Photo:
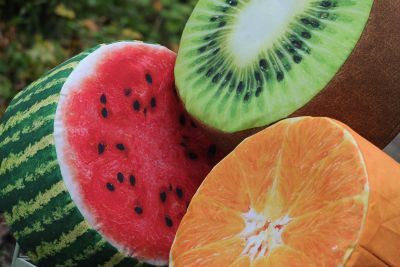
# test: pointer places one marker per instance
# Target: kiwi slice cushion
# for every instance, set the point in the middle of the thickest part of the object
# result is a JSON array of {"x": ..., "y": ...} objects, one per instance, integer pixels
[{"x": 244, "y": 64}]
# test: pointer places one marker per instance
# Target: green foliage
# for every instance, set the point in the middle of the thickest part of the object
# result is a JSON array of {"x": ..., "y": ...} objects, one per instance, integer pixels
[{"x": 36, "y": 35}]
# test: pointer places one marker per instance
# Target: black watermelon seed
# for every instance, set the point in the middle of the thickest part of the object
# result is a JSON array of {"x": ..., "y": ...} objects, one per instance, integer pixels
[
  {"x": 149, "y": 79},
  {"x": 247, "y": 97},
  {"x": 163, "y": 196},
  {"x": 182, "y": 120},
  {"x": 136, "y": 105},
  {"x": 120, "y": 147},
  {"x": 326, "y": 4},
  {"x": 138, "y": 210},
  {"x": 104, "y": 113},
  {"x": 232, "y": 2},
  {"x": 100, "y": 148},
  {"x": 110, "y": 187},
  {"x": 153, "y": 102},
  {"x": 179, "y": 192},
  {"x": 240, "y": 88},
  {"x": 297, "y": 59},
  {"x": 279, "y": 76},
  {"x": 263, "y": 64},
  {"x": 168, "y": 221},
  {"x": 222, "y": 24},
  {"x": 212, "y": 150},
  {"x": 103, "y": 99},
  {"x": 258, "y": 91},
  {"x": 193, "y": 124},
  {"x": 192, "y": 155},
  {"x": 132, "y": 180},
  {"x": 127, "y": 91},
  {"x": 306, "y": 35},
  {"x": 120, "y": 177}
]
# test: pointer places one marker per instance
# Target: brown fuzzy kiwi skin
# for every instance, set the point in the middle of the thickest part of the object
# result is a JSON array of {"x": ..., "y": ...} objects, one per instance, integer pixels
[{"x": 365, "y": 92}]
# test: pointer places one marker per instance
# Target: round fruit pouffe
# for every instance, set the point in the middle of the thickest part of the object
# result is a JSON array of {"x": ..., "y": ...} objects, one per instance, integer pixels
[
  {"x": 99, "y": 159},
  {"x": 243, "y": 65},
  {"x": 304, "y": 192}
]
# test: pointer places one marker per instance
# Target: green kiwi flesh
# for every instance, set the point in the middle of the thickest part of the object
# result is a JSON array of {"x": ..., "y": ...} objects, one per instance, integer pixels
[{"x": 248, "y": 63}]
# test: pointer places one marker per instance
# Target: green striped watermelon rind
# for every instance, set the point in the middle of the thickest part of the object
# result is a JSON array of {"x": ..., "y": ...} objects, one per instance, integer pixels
[{"x": 33, "y": 196}]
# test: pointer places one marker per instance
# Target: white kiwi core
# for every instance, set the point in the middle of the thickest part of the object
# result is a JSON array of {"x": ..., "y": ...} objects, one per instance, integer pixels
[{"x": 259, "y": 24}]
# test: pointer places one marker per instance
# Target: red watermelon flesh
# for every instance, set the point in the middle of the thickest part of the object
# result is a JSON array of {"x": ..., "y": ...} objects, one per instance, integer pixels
[{"x": 130, "y": 155}]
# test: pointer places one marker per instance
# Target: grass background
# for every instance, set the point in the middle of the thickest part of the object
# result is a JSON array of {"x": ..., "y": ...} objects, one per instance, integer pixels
[{"x": 37, "y": 35}]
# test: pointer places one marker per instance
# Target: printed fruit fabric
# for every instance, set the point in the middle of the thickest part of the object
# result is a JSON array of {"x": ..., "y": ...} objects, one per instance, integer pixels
[
  {"x": 304, "y": 192},
  {"x": 99, "y": 160}
]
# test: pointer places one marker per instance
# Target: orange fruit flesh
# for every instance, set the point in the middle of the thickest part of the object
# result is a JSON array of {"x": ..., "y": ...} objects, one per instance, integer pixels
[{"x": 295, "y": 194}]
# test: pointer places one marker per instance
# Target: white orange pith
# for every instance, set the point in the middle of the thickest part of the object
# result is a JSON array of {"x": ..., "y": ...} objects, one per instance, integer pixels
[{"x": 295, "y": 194}]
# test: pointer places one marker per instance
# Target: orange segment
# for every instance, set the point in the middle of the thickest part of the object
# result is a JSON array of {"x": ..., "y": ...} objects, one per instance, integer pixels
[
  {"x": 304, "y": 192},
  {"x": 222, "y": 253},
  {"x": 260, "y": 168},
  {"x": 221, "y": 223},
  {"x": 233, "y": 194}
]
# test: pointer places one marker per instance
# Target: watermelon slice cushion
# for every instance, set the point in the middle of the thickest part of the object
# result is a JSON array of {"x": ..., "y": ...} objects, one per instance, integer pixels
[{"x": 99, "y": 160}]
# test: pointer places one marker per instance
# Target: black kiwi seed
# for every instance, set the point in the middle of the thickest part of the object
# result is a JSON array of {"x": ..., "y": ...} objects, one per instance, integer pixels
[
  {"x": 214, "y": 18},
  {"x": 120, "y": 147},
  {"x": 179, "y": 192},
  {"x": 192, "y": 155},
  {"x": 216, "y": 78},
  {"x": 305, "y": 21},
  {"x": 212, "y": 150},
  {"x": 326, "y": 4},
  {"x": 279, "y": 76},
  {"x": 182, "y": 120},
  {"x": 120, "y": 177},
  {"x": 110, "y": 187},
  {"x": 232, "y": 2},
  {"x": 297, "y": 43},
  {"x": 315, "y": 24},
  {"x": 127, "y": 91},
  {"x": 247, "y": 96},
  {"x": 202, "y": 49},
  {"x": 104, "y": 113},
  {"x": 258, "y": 91},
  {"x": 306, "y": 35},
  {"x": 138, "y": 210},
  {"x": 149, "y": 79},
  {"x": 132, "y": 180},
  {"x": 153, "y": 102},
  {"x": 257, "y": 75},
  {"x": 103, "y": 99},
  {"x": 168, "y": 221},
  {"x": 224, "y": 9},
  {"x": 163, "y": 196},
  {"x": 136, "y": 105},
  {"x": 222, "y": 24},
  {"x": 210, "y": 72},
  {"x": 240, "y": 88},
  {"x": 216, "y": 51},
  {"x": 297, "y": 59},
  {"x": 100, "y": 148},
  {"x": 263, "y": 64}
]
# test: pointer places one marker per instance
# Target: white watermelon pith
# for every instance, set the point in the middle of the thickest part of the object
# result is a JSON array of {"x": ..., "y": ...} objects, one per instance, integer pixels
[{"x": 99, "y": 160}]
